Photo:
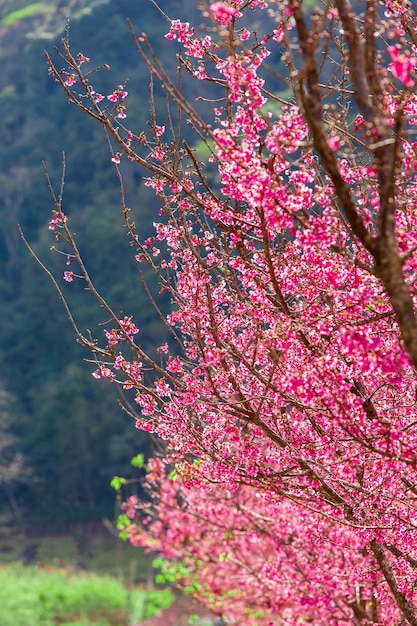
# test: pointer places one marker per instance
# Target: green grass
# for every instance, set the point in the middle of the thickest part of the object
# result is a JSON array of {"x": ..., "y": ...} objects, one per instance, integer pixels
[{"x": 32, "y": 596}]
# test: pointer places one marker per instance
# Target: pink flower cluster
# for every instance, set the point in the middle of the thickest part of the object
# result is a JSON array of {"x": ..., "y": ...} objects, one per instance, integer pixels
[
  {"x": 224, "y": 12},
  {"x": 196, "y": 47},
  {"x": 181, "y": 31},
  {"x": 119, "y": 94},
  {"x": 70, "y": 80},
  {"x": 403, "y": 66},
  {"x": 127, "y": 329},
  {"x": 130, "y": 506},
  {"x": 58, "y": 219}
]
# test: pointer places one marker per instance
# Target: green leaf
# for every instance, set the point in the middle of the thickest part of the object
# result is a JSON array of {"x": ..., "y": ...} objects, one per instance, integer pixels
[
  {"x": 160, "y": 579},
  {"x": 192, "y": 587},
  {"x": 138, "y": 460},
  {"x": 123, "y": 520},
  {"x": 116, "y": 482}
]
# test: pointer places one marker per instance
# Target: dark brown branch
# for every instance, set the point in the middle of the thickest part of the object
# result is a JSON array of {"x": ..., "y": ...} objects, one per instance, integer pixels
[
  {"x": 396, "y": 552},
  {"x": 80, "y": 338},
  {"x": 310, "y": 101},
  {"x": 356, "y": 55},
  {"x": 400, "y": 597}
]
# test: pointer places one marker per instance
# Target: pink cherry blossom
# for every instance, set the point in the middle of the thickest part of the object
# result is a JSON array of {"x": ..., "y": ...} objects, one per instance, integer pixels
[
  {"x": 130, "y": 506},
  {"x": 82, "y": 59},
  {"x": 223, "y": 12},
  {"x": 98, "y": 97},
  {"x": 58, "y": 219},
  {"x": 158, "y": 153},
  {"x": 181, "y": 31},
  {"x": 334, "y": 142},
  {"x": 119, "y": 94},
  {"x": 70, "y": 80},
  {"x": 403, "y": 66}
]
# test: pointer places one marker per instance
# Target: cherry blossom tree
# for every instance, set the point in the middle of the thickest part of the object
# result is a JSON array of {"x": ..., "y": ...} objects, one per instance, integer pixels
[{"x": 285, "y": 491}]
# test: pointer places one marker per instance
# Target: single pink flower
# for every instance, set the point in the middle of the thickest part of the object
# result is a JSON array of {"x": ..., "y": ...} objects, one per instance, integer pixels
[
  {"x": 82, "y": 59},
  {"x": 71, "y": 80},
  {"x": 334, "y": 142}
]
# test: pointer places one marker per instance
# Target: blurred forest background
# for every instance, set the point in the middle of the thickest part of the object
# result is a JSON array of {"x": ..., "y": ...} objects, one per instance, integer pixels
[{"x": 62, "y": 434}]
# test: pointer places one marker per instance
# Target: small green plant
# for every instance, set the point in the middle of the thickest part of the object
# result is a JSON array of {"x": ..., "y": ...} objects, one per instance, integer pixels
[
  {"x": 149, "y": 603},
  {"x": 169, "y": 572}
]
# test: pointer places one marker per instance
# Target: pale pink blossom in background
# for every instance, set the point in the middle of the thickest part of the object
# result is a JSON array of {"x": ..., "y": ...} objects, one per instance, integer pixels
[
  {"x": 223, "y": 12},
  {"x": 402, "y": 66}
]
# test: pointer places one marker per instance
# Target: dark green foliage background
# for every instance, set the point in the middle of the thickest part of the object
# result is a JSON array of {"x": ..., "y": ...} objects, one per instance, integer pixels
[{"x": 68, "y": 426}]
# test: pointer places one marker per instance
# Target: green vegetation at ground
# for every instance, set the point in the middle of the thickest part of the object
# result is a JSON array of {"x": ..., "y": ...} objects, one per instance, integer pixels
[{"x": 49, "y": 596}]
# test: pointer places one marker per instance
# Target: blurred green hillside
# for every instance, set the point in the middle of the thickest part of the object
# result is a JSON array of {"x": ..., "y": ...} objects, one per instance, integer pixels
[{"x": 62, "y": 434}]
